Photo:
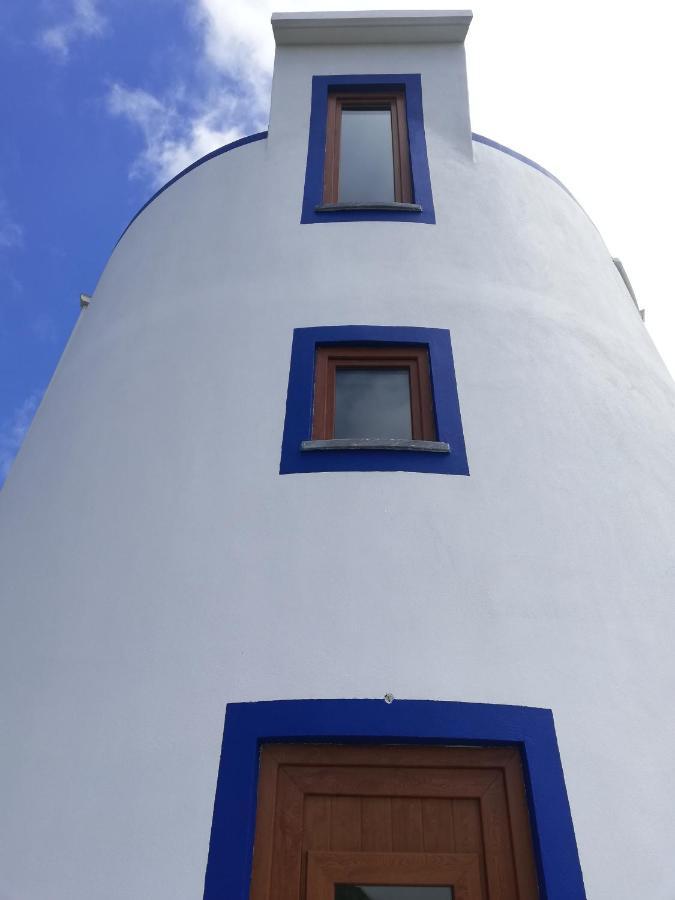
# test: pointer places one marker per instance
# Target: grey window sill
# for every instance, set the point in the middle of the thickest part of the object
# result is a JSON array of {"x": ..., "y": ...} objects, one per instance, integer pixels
[
  {"x": 376, "y": 444},
  {"x": 388, "y": 207}
]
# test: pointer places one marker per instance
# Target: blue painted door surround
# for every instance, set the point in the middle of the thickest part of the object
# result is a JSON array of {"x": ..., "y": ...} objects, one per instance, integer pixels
[{"x": 249, "y": 725}]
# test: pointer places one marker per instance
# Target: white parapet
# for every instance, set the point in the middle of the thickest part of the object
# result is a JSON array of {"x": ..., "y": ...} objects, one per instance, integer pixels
[{"x": 391, "y": 27}]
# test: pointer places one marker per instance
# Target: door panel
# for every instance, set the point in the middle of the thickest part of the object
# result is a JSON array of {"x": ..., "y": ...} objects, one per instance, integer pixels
[
  {"x": 376, "y": 823},
  {"x": 438, "y": 824},
  {"x": 393, "y": 803},
  {"x": 406, "y": 824}
]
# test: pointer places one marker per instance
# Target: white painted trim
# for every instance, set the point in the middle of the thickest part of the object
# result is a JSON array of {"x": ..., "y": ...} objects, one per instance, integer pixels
[{"x": 380, "y": 27}]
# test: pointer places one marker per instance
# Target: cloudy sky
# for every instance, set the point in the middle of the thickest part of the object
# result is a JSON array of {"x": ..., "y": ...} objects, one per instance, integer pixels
[{"x": 102, "y": 101}]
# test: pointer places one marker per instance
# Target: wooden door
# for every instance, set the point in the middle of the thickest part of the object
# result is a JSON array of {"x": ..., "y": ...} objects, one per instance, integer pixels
[{"x": 331, "y": 815}]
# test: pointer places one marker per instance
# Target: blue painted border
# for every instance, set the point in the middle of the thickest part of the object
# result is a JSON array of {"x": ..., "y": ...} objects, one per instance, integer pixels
[
  {"x": 249, "y": 139},
  {"x": 419, "y": 164},
  {"x": 248, "y": 725},
  {"x": 480, "y": 139},
  {"x": 262, "y": 135},
  {"x": 299, "y": 403}
]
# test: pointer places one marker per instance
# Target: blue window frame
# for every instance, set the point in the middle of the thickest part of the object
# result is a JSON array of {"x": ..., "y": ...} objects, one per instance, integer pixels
[
  {"x": 299, "y": 404},
  {"x": 249, "y": 725},
  {"x": 419, "y": 164}
]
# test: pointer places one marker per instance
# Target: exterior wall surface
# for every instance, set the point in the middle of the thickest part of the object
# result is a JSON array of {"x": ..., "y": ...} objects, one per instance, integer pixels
[{"x": 154, "y": 565}]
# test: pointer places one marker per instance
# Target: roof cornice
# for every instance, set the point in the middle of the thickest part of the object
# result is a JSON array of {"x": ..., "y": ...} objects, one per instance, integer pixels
[{"x": 372, "y": 27}]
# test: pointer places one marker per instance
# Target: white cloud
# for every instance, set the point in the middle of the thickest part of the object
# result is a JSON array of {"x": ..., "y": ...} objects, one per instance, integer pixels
[
  {"x": 238, "y": 37},
  {"x": 590, "y": 120},
  {"x": 236, "y": 66},
  {"x": 13, "y": 431},
  {"x": 238, "y": 40},
  {"x": 586, "y": 116},
  {"x": 84, "y": 21},
  {"x": 236, "y": 56},
  {"x": 176, "y": 130}
]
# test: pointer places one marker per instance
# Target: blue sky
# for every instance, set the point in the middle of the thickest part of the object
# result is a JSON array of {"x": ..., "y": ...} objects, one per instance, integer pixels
[{"x": 102, "y": 101}]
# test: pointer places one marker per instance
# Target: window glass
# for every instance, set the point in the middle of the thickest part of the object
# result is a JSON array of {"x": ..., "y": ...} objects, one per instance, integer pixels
[
  {"x": 372, "y": 403},
  {"x": 366, "y": 157},
  {"x": 390, "y": 892}
]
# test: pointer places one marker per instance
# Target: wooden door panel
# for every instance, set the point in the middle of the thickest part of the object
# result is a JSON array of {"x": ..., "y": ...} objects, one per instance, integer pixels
[
  {"x": 468, "y": 832},
  {"x": 406, "y": 824},
  {"x": 396, "y": 802},
  {"x": 438, "y": 824},
  {"x": 345, "y": 823},
  {"x": 317, "y": 818},
  {"x": 376, "y": 819},
  {"x": 467, "y": 825}
]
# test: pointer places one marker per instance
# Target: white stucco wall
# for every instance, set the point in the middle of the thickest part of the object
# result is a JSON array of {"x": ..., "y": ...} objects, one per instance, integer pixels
[{"x": 154, "y": 565}]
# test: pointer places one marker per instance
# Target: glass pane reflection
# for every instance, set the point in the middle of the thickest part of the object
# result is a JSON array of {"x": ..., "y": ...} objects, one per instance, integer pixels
[
  {"x": 390, "y": 892},
  {"x": 366, "y": 157},
  {"x": 372, "y": 403}
]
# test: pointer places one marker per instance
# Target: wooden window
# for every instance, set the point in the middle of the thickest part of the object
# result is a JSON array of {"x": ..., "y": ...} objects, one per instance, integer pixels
[
  {"x": 367, "y": 155},
  {"x": 333, "y": 820},
  {"x": 373, "y": 393}
]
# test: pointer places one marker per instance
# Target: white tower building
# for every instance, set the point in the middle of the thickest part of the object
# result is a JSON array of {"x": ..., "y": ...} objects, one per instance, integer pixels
[{"x": 361, "y": 407}]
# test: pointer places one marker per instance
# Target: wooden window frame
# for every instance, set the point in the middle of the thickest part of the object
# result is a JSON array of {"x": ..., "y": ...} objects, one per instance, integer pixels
[
  {"x": 393, "y": 100},
  {"x": 413, "y": 358}
]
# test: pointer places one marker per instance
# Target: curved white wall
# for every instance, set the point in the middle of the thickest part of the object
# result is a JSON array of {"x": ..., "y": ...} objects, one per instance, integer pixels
[{"x": 155, "y": 566}]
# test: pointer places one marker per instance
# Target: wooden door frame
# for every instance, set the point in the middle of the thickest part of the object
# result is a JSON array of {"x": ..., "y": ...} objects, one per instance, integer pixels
[
  {"x": 249, "y": 725},
  {"x": 491, "y": 775}
]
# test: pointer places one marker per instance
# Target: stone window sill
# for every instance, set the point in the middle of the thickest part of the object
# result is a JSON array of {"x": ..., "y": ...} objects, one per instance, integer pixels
[
  {"x": 388, "y": 207},
  {"x": 376, "y": 444}
]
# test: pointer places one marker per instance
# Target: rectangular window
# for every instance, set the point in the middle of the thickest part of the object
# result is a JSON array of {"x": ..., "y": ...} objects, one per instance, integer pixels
[
  {"x": 373, "y": 393},
  {"x": 366, "y": 151},
  {"x": 367, "y": 157},
  {"x": 385, "y": 892},
  {"x": 372, "y": 398}
]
